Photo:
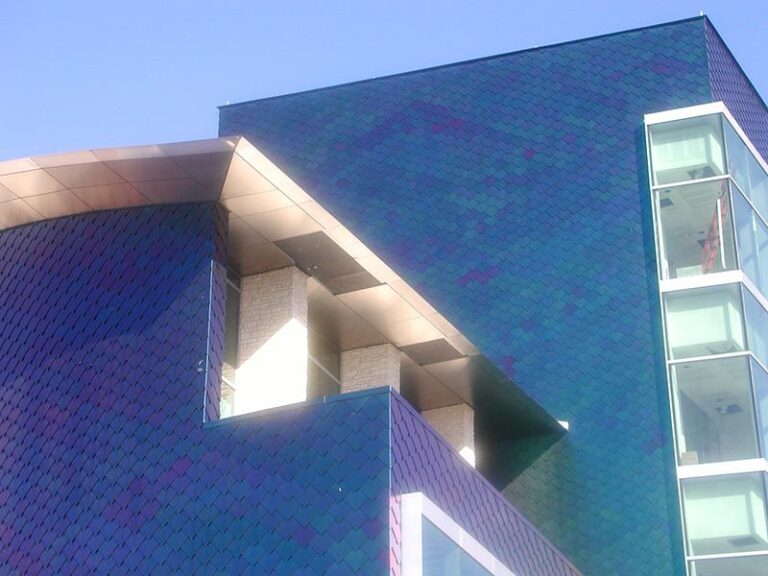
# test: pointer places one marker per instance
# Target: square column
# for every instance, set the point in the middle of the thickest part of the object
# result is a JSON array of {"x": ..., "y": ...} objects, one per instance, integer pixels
[
  {"x": 456, "y": 424},
  {"x": 273, "y": 341},
  {"x": 370, "y": 367}
]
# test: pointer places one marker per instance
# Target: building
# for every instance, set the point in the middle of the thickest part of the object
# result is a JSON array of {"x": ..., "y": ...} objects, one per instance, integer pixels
[{"x": 554, "y": 256}]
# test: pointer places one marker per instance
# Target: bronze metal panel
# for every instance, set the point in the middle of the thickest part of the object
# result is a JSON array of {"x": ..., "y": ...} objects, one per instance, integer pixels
[
  {"x": 57, "y": 204},
  {"x": 16, "y": 213},
  {"x": 283, "y": 223},
  {"x": 6, "y": 195},
  {"x": 143, "y": 169},
  {"x": 320, "y": 257},
  {"x": 31, "y": 183},
  {"x": 336, "y": 323},
  {"x": 380, "y": 305},
  {"x": 258, "y": 259},
  {"x": 422, "y": 389},
  {"x": 208, "y": 169},
  {"x": 18, "y": 165},
  {"x": 410, "y": 331},
  {"x": 111, "y": 196},
  {"x": 241, "y": 235},
  {"x": 84, "y": 175},
  {"x": 243, "y": 179},
  {"x": 431, "y": 352},
  {"x": 257, "y": 203},
  {"x": 173, "y": 191}
]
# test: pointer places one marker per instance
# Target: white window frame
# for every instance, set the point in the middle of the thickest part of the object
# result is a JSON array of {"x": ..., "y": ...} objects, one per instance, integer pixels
[{"x": 416, "y": 507}]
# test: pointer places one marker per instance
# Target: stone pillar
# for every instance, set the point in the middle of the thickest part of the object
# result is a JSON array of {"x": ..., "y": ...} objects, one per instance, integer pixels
[
  {"x": 370, "y": 367},
  {"x": 457, "y": 425},
  {"x": 273, "y": 341}
]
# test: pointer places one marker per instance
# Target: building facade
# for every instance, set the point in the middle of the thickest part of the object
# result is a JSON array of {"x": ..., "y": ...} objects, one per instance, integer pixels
[
  {"x": 505, "y": 316},
  {"x": 517, "y": 192},
  {"x": 193, "y": 383}
]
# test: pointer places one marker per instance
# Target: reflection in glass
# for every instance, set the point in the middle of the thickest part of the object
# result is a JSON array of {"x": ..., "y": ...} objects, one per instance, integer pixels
[
  {"x": 746, "y": 238},
  {"x": 758, "y": 186},
  {"x": 704, "y": 321},
  {"x": 441, "y": 556},
  {"x": 725, "y": 514},
  {"x": 231, "y": 345},
  {"x": 323, "y": 367},
  {"x": 760, "y": 379},
  {"x": 687, "y": 149},
  {"x": 227, "y": 400},
  {"x": 714, "y": 412},
  {"x": 757, "y": 327},
  {"x": 231, "y": 329},
  {"x": 696, "y": 229},
  {"x": 746, "y": 566},
  {"x": 738, "y": 166}
]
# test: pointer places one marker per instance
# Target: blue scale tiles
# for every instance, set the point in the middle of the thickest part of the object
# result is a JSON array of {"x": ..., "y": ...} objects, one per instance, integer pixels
[{"x": 512, "y": 192}]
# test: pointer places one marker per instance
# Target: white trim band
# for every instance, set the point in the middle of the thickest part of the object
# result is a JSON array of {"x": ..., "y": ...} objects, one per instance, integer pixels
[{"x": 414, "y": 508}]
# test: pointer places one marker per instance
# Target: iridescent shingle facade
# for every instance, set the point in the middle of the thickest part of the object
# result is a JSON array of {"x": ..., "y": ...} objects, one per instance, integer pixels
[
  {"x": 514, "y": 192},
  {"x": 426, "y": 324}
]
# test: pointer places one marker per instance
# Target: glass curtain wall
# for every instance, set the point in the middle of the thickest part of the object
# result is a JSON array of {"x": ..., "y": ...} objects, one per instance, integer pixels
[{"x": 710, "y": 200}]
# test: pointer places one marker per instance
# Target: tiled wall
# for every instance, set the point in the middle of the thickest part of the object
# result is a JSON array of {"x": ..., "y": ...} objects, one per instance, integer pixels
[
  {"x": 105, "y": 465},
  {"x": 423, "y": 462},
  {"x": 512, "y": 192},
  {"x": 730, "y": 85}
]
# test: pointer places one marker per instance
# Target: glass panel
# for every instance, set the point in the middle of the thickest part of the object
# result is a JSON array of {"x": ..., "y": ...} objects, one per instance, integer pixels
[
  {"x": 687, "y": 149},
  {"x": 746, "y": 237},
  {"x": 737, "y": 155},
  {"x": 758, "y": 186},
  {"x": 704, "y": 321},
  {"x": 227, "y": 404},
  {"x": 696, "y": 229},
  {"x": 757, "y": 327},
  {"x": 441, "y": 556},
  {"x": 319, "y": 382},
  {"x": 752, "y": 238},
  {"x": 725, "y": 514},
  {"x": 324, "y": 353},
  {"x": 749, "y": 566},
  {"x": 760, "y": 379},
  {"x": 231, "y": 334},
  {"x": 714, "y": 413}
]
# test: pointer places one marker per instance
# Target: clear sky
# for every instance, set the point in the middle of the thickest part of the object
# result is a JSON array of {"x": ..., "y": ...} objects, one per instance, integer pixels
[{"x": 93, "y": 73}]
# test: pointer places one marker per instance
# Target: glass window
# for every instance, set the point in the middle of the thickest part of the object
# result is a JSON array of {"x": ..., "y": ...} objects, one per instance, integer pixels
[
  {"x": 323, "y": 368},
  {"x": 725, "y": 514},
  {"x": 441, "y": 556},
  {"x": 746, "y": 566},
  {"x": 738, "y": 154},
  {"x": 704, "y": 321},
  {"x": 760, "y": 378},
  {"x": 227, "y": 401},
  {"x": 757, "y": 327},
  {"x": 714, "y": 414},
  {"x": 746, "y": 237},
  {"x": 696, "y": 229},
  {"x": 231, "y": 345},
  {"x": 758, "y": 186},
  {"x": 687, "y": 150}
]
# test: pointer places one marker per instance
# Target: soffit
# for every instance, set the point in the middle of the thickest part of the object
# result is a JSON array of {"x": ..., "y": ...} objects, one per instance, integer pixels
[{"x": 355, "y": 298}]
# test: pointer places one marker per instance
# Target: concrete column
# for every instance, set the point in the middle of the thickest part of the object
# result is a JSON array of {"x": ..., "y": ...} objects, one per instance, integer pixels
[
  {"x": 370, "y": 367},
  {"x": 273, "y": 341},
  {"x": 457, "y": 425}
]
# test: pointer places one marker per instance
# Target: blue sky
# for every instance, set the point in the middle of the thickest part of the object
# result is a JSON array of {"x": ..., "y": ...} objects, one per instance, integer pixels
[{"x": 85, "y": 73}]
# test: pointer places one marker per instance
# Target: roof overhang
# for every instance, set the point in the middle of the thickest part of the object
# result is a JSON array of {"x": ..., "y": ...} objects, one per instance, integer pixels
[{"x": 355, "y": 299}]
